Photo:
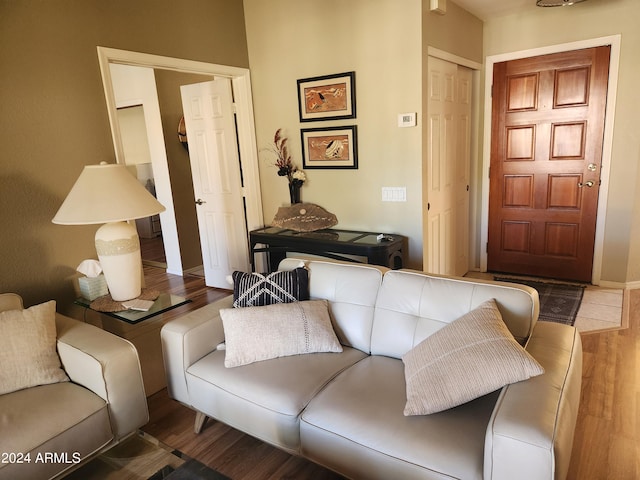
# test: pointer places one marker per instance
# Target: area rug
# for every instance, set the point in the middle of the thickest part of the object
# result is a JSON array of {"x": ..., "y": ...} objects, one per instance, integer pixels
[
  {"x": 559, "y": 302},
  {"x": 142, "y": 457}
]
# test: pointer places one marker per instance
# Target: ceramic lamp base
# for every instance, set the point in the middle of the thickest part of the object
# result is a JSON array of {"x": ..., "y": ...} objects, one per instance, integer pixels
[{"x": 118, "y": 248}]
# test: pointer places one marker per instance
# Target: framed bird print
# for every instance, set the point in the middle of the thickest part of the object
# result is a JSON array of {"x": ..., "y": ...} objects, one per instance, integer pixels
[
  {"x": 330, "y": 97},
  {"x": 331, "y": 147}
]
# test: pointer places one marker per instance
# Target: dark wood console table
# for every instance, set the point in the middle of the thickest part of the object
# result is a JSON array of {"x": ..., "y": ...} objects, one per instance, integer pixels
[{"x": 331, "y": 243}]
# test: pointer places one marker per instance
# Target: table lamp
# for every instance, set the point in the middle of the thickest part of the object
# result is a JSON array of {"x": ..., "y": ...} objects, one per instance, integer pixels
[{"x": 109, "y": 194}]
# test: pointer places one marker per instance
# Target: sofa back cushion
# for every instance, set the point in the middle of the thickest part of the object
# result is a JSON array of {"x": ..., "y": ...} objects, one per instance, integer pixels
[
  {"x": 413, "y": 305},
  {"x": 28, "y": 355},
  {"x": 351, "y": 289},
  {"x": 10, "y": 301}
]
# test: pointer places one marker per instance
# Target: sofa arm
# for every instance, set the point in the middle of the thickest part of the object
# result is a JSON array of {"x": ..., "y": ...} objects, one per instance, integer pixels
[
  {"x": 186, "y": 340},
  {"x": 108, "y": 366},
  {"x": 530, "y": 434}
]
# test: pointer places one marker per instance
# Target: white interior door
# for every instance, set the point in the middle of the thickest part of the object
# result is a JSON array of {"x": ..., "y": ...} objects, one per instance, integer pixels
[
  {"x": 217, "y": 182},
  {"x": 448, "y": 168}
]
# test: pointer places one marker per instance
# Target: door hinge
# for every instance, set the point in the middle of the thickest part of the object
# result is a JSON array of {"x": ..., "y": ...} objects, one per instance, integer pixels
[
  {"x": 428, "y": 206},
  {"x": 487, "y": 247},
  {"x": 234, "y": 107}
]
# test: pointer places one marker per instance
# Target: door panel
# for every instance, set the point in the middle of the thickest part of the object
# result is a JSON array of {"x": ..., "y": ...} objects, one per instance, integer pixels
[
  {"x": 217, "y": 184},
  {"x": 547, "y": 133},
  {"x": 448, "y": 168}
]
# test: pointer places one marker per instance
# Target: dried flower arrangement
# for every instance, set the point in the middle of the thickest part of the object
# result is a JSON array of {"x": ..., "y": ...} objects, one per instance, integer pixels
[{"x": 286, "y": 168}]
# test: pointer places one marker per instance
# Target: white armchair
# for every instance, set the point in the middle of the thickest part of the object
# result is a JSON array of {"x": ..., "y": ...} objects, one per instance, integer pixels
[{"x": 70, "y": 422}]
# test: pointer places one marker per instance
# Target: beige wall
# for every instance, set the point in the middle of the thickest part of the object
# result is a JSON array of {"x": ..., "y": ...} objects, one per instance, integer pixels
[
  {"x": 540, "y": 27},
  {"x": 381, "y": 41},
  {"x": 456, "y": 32},
  {"x": 54, "y": 119}
]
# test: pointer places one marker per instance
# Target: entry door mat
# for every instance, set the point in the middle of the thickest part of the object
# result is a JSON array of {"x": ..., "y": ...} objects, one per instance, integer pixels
[{"x": 559, "y": 302}]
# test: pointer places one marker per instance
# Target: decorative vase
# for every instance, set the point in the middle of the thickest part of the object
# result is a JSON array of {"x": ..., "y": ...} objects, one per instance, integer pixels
[{"x": 294, "y": 193}]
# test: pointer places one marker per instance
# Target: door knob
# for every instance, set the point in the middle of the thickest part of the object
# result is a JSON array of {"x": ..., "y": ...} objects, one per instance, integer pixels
[
  {"x": 200, "y": 201},
  {"x": 586, "y": 184}
]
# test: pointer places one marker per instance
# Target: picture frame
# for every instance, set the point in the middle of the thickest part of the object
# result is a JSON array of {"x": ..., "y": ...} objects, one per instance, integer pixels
[
  {"x": 328, "y": 97},
  {"x": 330, "y": 147}
]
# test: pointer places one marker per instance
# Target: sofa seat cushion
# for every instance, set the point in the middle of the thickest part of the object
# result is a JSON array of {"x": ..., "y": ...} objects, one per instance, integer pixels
[
  {"x": 356, "y": 426},
  {"x": 264, "y": 398},
  {"x": 39, "y": 420}
]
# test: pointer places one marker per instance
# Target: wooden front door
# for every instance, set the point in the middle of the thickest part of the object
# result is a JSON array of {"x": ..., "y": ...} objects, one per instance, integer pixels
[{"x": 546, "y": 151}]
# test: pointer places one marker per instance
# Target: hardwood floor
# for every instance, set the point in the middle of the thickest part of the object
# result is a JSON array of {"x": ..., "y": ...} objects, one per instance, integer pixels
[
  {"x": 153, "y": 250},
  {"x": 189, "y": 286},
  {"x": 607, "y": 439}
]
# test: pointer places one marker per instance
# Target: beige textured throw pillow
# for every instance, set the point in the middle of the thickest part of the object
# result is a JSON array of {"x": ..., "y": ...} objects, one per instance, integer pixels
[
  {"x": 28, "y": 355},
  {"x": 253, "y": 334},
  {"x": 472, "y": 356}
]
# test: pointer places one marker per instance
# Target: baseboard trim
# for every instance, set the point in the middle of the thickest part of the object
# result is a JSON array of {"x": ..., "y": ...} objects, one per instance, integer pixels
[
  {"x": 619, "y": 285},
  {"x": 198, "y": 269}
]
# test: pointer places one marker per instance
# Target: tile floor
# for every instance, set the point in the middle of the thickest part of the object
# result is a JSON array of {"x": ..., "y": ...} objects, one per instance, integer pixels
[{"x": 601, "y": 308}]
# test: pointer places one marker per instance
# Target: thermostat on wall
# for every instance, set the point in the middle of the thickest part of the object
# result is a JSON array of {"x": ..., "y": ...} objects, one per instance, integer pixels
[{"x": 407, "y": 119}]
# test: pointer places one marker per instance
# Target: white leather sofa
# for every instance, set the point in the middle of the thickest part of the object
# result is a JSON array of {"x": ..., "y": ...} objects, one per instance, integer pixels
[
  {"x": 51, "y": 429},
  {"x": 345, "y": 410}
]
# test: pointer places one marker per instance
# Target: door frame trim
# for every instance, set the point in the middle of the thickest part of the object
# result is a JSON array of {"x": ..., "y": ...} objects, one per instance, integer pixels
[
  {"x": 241, "y": 83},
  {"x": 614, "y": 62}
]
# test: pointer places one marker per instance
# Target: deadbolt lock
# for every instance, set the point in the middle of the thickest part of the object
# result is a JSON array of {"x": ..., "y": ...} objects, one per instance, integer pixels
[{"x": 592, "y": 167}]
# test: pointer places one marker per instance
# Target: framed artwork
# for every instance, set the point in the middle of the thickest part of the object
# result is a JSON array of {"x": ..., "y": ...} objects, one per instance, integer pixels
[
  {"x": 329, "y": 97},
  {"x": 331, "y": 147}
]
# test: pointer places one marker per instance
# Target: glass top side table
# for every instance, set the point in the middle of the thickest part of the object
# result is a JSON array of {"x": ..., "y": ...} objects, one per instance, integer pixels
[{"x": 163, "y": 303}]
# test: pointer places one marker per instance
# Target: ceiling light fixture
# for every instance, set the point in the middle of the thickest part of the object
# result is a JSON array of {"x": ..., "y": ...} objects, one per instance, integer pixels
[{"x": 556, "y": 3}]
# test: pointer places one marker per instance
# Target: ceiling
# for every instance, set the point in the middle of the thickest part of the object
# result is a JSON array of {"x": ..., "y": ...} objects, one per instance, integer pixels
[{"x": 485, "y": 9}]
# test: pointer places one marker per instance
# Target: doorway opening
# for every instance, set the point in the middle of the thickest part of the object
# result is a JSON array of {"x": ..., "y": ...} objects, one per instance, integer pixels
[
  {"x": 239, "y": 78},
  {"x": 135, "y": 143}
]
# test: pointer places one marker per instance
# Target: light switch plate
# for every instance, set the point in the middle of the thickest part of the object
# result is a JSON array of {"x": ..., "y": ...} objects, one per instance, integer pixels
[{"x": 394, "y": 194}]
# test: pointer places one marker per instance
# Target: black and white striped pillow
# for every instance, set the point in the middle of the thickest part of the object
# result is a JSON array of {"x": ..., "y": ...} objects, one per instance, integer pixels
[{"x": 259, "y": 289}]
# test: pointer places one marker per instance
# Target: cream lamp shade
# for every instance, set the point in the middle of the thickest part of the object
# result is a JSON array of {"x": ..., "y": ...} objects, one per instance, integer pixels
[{"x": 109, "y": 194}]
